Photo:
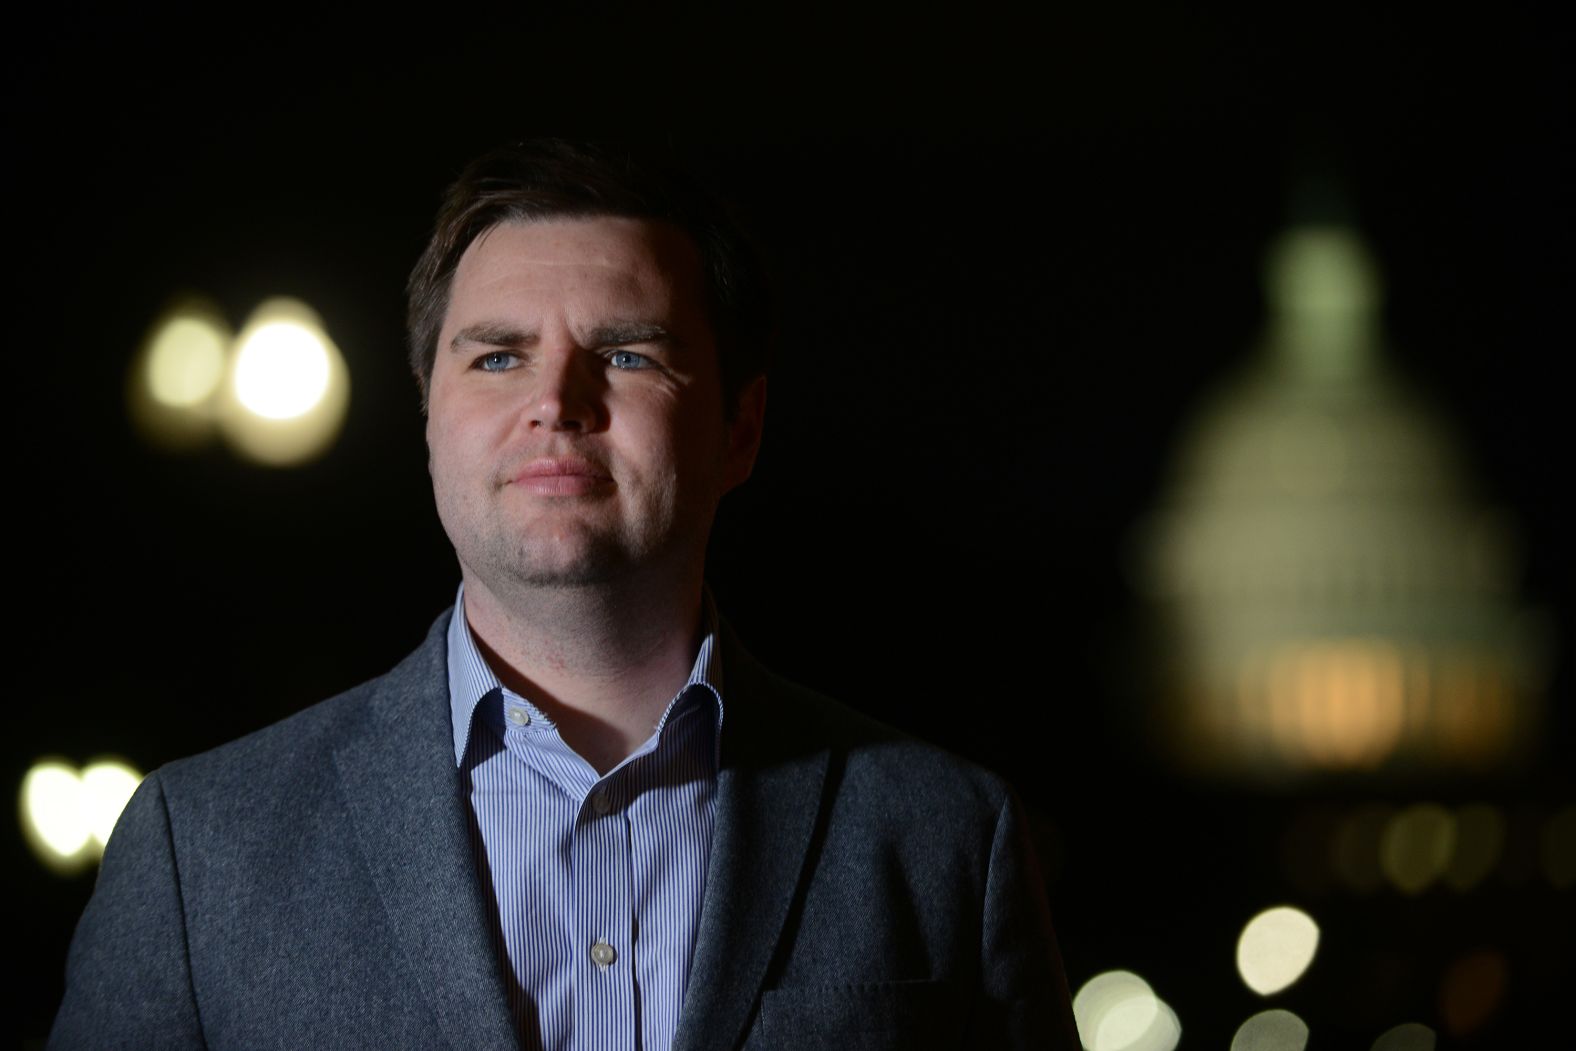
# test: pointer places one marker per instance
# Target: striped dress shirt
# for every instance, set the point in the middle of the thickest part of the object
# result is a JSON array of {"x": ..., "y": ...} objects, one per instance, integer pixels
[{"x": 598, "y": 880}]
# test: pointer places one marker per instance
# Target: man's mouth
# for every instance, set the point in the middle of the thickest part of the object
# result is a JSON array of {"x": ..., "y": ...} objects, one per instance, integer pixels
[{"x": 561, "y": 476}]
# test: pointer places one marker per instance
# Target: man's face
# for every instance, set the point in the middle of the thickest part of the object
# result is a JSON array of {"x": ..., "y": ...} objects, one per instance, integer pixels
[{"x": 575, "y": 428}]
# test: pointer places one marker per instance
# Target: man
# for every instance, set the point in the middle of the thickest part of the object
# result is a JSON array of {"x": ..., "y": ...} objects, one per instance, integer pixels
[{"x": 580, "y": 815}]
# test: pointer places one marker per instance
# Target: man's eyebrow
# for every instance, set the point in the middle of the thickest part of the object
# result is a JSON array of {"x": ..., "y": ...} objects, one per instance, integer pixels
[
  {"x": 493, "y": 334},
  {"x": 616, "y": 332},
  {"x": 613, "y": 333}
]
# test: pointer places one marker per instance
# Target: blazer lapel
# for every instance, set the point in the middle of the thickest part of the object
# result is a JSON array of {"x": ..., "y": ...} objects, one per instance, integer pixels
[
  {"x": 411, "y": 826},
  {"x": 769, "y": 794}
]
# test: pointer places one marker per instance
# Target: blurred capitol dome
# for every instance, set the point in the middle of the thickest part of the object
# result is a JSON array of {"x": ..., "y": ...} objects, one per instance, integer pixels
[{"x": 1331, "y": 596}]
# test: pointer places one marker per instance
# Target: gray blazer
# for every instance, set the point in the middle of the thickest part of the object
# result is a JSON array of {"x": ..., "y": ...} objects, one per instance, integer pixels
[{"x": 312, "y": 885}]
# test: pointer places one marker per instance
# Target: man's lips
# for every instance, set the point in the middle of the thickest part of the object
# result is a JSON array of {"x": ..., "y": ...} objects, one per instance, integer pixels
[{"x": 561, "y": 476}]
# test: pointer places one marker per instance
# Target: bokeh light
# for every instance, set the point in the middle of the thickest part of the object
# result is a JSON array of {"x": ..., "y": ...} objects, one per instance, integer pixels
[
  {"x": 1472, "y": 991},
  {"x": 52, "y": 813},
  {"x": 1117, "y": 1011},
  {"x": 1559, "y": 849},
  {"x": 186, "y": 361},
  {"x": 1275, "y": 948},
  {"x": 1411, "y": 1036},
  {"x": 289, "y": 387},
  {"x": 107, "y": 786},
  {"x": 1306, "y": 843},
  {"x": 1480, "y": 840},
  {"x": 281, "y": 369},
  {"x": 68, "y": 815},
  {"x": 1355, "y": 848},
  {"x": 1416, "y": 846},
  {"x": 180, "y": 369},
  {"x": 1273, "y": 1030}
]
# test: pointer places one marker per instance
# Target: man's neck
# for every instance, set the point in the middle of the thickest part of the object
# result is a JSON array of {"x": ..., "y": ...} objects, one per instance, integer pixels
[{"x": 601, "y": 664}]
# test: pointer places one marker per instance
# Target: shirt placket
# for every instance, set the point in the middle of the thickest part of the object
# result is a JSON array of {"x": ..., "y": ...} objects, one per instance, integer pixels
[{"x": 601, "y": 878}]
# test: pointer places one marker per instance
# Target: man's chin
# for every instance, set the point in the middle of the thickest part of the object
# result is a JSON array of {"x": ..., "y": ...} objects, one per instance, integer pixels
[
  {"x": 565, "y": 561},
  {"x": 567, "y": 578},
  {"x": 591, "y": 566}
]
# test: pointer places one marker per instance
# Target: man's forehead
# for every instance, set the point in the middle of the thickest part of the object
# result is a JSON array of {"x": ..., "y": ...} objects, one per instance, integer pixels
[
  {"x": 592, "y": 243},
  {"x": 597, "y": 271}
]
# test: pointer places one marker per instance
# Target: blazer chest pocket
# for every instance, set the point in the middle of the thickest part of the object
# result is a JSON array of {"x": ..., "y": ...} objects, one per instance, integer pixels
[{"x": 868, "y": 1016}]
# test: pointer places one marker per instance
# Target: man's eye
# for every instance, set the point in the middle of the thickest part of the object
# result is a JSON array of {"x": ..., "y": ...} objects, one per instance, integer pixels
[
  {"x": 628, "y": 359},
  {"x": 496, "y": 361}
]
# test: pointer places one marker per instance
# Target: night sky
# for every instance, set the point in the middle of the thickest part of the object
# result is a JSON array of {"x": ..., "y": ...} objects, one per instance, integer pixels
[{"x": 1010, "y": 255}]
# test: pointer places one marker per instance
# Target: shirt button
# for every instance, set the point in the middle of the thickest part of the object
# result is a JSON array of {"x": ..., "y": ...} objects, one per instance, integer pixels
[
  {"x": 519, "y": 717},
  {"x": 601, "y": 803},
  {"x": 602, "y": 954}
]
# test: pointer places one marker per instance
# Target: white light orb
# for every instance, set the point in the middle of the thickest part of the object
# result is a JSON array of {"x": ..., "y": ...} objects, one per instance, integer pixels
[
  {"x": 281, "y": 369},
  {"x": 1273, "y": 1030},
  {"x": 67, "y": 814},
  {"x": 52, "y": 811},
  {"x": 289, "y": 387},
  {"x": 1117, "y": 1011},
  {"x": 107, "y": 787},
  {"x": 1275, "y": 948}
]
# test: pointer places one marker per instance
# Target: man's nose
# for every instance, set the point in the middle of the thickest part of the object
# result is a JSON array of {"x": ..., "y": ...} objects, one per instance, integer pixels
[{"x": 568, "y": 396}]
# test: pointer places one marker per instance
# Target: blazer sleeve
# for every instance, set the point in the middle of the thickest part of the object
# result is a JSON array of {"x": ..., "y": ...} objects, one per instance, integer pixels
[
  {"x": 1025, "y": 1002},
  {"x": 128, "y": 973}
]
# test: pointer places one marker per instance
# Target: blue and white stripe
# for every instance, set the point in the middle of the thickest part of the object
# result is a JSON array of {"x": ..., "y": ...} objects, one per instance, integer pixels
[{"x": 574, "y": 859}]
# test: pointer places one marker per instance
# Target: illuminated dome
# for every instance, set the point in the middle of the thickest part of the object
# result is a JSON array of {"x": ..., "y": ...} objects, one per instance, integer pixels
[{"x": 1333, "y": 597}]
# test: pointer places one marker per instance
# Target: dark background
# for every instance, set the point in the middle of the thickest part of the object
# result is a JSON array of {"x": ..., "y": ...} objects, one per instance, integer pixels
[{"x": 1011, "y": 256}]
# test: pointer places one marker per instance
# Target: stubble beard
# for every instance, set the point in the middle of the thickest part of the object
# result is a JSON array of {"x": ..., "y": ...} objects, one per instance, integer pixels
[
  {"x": 524, "y": 558},
  {"x": 573, "y": 555},
  {"x": 600, "y": 561}
]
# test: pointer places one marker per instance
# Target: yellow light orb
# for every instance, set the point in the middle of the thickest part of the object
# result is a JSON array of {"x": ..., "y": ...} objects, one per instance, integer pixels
[
  {"x": 1276, "y": 948},
  {"x": 1479, "y": 842},
  {"x": 174, "y": 385},
  {"x": 1417, "y": 845},
  {"x": 185, "y": 362},
  {"x": 1355, "y": 848}
]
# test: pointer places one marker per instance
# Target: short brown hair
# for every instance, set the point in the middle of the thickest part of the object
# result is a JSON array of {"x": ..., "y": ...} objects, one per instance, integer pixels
[{"x": 552, "y": 178}]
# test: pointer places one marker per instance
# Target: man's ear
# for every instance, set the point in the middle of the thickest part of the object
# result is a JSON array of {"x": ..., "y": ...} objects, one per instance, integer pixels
[{"x": 744, "y": 434}]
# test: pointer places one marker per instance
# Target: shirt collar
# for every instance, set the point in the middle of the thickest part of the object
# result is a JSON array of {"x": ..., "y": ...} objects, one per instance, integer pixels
[{"x": 471, "y": 678}]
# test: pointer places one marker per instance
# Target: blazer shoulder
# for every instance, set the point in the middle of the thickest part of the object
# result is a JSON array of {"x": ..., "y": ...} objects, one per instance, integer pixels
[{"x": 882, "y": 760}]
